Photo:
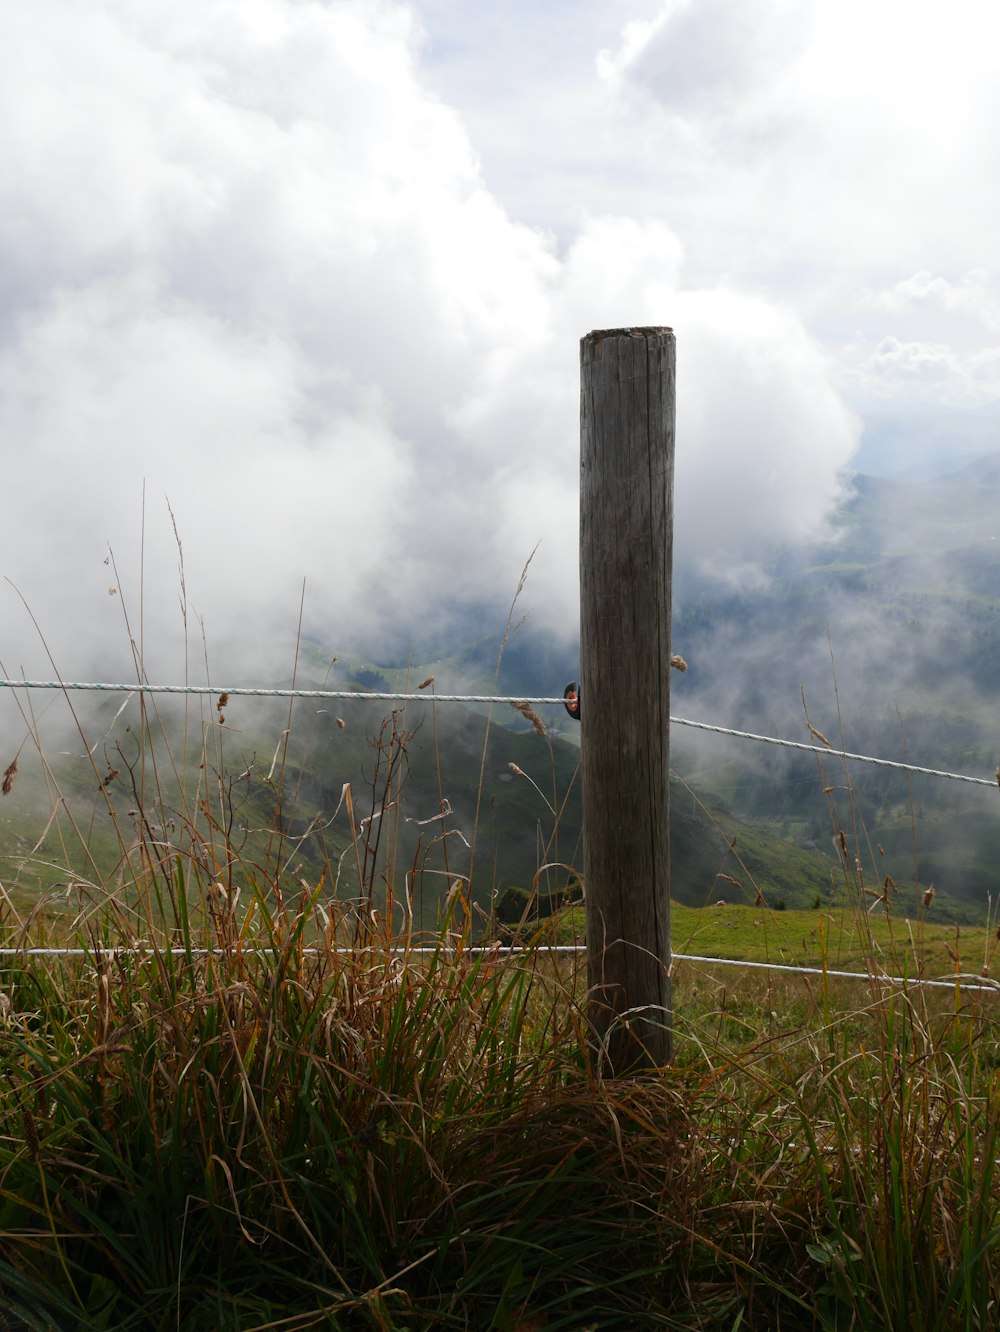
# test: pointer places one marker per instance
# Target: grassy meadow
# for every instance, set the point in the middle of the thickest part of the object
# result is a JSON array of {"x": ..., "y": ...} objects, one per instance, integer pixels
[{"x": 263, "y": 1094}]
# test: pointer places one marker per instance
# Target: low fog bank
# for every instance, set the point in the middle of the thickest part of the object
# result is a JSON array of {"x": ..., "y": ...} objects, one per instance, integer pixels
[
  {"x": 881, "y": 639},
  {"x": 894, "y": 620}
]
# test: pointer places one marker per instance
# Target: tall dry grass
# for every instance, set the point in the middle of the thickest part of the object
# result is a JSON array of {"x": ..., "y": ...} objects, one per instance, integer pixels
[{"x": 252, "y": 1102}]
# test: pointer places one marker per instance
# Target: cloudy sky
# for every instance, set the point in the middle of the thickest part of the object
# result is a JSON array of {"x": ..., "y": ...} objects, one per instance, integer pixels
[{"x": 315, "y": 274}]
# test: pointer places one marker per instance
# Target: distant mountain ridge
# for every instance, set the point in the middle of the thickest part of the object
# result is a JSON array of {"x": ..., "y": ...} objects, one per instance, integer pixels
[{"x": 912, "y": 444}]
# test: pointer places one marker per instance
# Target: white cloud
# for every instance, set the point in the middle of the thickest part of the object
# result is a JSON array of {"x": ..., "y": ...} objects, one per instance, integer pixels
[
  {"x": 767, "y": 435},
  {"x": 252, "y": 263},
  {"x": 274, "y": 467},
  {"x": 920, "y": 373},
  {"x": 704, "y": 58},
  {"x": 975, "y": 295},
  {"x": 811, "y": 150},
  {"x": 762, "y": 434}
]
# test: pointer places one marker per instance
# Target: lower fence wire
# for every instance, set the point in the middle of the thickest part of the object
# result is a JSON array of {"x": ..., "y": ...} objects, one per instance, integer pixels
[{"x": 964, "y": 981}]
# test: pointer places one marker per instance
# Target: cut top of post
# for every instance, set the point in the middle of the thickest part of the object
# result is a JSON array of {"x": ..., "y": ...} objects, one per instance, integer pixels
[{"x": 597, "y": 334}]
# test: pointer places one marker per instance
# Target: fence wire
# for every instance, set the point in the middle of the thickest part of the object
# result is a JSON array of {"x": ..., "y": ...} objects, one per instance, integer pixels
[
  {"x": 533, "y": 700},
  {"x": 962, "y": 981}
]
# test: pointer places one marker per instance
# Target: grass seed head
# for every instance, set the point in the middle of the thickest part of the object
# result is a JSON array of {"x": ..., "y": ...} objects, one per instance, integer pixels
[
  {"x": 8, "y": 777},
  {"x": 528, "y": 712},
  {"x": 818, "y": 735},
  {"x": 31, "y": 1135}
]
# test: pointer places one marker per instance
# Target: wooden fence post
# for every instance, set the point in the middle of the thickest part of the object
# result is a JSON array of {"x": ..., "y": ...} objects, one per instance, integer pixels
[{"x": 626, "y": 529}]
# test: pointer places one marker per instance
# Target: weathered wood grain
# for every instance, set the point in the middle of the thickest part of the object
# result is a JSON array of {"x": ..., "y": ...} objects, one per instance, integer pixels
[{"x": 627, "y": 382}]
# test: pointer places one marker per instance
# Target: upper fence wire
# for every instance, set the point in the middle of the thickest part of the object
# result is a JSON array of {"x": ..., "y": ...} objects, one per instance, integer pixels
[{"x": 533, "y": 700}]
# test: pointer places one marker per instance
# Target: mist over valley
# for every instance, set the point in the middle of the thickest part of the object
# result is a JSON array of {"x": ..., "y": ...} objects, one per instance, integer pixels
[{"x": 883, "y": 639}]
